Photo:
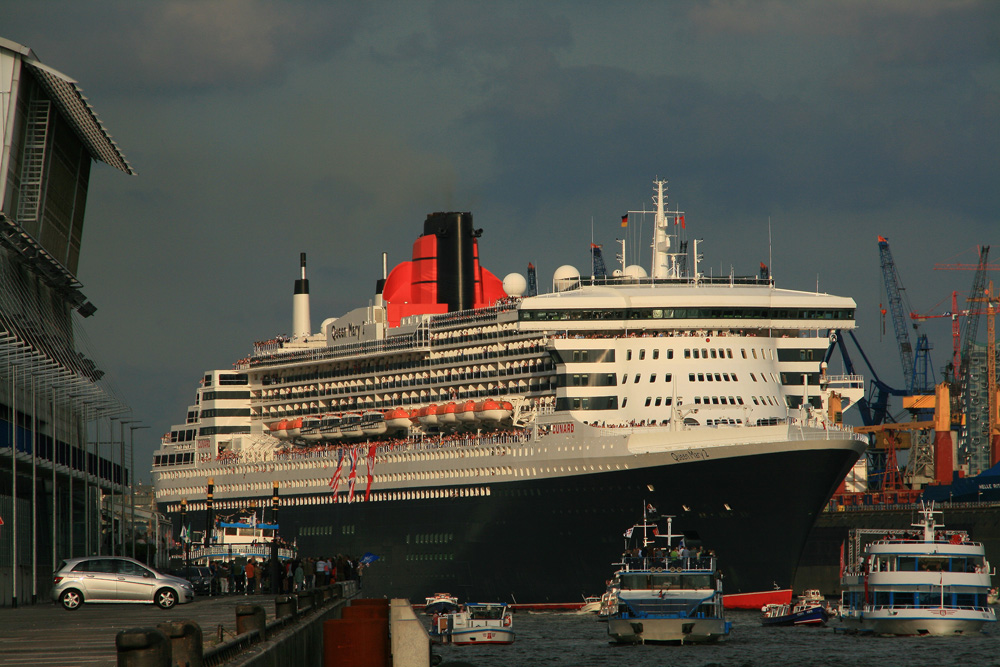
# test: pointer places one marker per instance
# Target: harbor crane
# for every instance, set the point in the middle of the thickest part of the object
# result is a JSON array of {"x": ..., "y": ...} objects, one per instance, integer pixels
[{"x": 917, "y": 376}]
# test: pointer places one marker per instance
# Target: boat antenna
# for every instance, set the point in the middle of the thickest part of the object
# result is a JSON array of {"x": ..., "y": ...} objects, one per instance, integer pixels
[{"x": 770, "y": 261}]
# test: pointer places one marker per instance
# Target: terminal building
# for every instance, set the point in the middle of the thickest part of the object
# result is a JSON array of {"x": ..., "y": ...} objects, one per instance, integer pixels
[{"x": 65, "y": 469}]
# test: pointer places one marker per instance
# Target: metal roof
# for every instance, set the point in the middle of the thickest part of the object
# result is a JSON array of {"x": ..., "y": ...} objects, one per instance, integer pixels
[{"x": 77, "y": 110}]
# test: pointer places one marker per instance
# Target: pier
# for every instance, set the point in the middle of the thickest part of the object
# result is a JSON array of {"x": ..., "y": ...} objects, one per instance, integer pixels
[{"x": 233, "y": 630}]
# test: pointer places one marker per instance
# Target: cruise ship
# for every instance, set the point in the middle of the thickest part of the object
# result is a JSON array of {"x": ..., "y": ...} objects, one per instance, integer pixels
[{"x": 489, "y": 441}]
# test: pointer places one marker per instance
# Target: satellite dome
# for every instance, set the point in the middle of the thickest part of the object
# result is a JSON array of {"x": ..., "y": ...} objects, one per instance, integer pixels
[
  {"x": 617, "y": 273},
  {"x": 514, "y": 284},
  {"x": 635, "y": 271},
  {"x": 566, "y": 277}
]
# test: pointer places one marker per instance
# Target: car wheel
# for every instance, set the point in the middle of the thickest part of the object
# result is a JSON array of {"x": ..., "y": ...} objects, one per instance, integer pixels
[
  {"x": 166, "y": 598},
  {"x": 71, "y": 599}
]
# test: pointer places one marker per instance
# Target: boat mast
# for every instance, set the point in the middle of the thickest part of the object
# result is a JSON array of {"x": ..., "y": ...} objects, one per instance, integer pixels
[{"x": 665, "y": 262}]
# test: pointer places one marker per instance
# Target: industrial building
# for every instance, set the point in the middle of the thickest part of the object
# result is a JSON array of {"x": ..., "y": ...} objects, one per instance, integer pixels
[{"x": 65, "y": 436}]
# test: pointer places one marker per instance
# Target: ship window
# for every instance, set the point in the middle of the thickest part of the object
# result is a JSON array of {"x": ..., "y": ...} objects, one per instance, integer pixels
[
  {"x": 753, "y": 377},
  {"x": 729, "y": 353},
  {"x": 652, "y": 377},
  {"x": 725, "y": 376},
  {"x": 637, "y": 375},
  {"x": 754, "y": 399},
  {"x": 701, "y": 377},
  {"x": 713, "y": 353},
  {"x": 739, "y": 400},
  {"x": 690, "y": 377},
  {"x": 670, "y": 354},
  {"x": 642, "y": 354},
  {"x": 704, "y": 353},
  {"x": 715, "y": 400},
  {"x": 687, "y": 353},
  {"x": 718, "y": 377},
  {"x": 668, "y": 400},
  {"x": 648, "y": 401},
  {"x": 697, "y": 400},
  {"x": 624, "y": 378},
  {"x": 744, "y": 353},
  {"x": 624, "y": 401},
  {"x": 754, "y": 353},
  {"x": 628, "y": 355},
  {"x": 656, "y": 354},
  {"x": 735, "y": 379},
  {"x": 658, "y": 399},
  {"x": 706, "y": 400}
]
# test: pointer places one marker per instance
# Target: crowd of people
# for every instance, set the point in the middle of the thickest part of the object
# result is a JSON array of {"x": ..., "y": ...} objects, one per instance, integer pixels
[{"x": 254, "y": 576}]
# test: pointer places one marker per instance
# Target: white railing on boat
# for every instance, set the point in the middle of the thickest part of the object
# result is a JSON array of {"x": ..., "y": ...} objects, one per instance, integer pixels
[{"x": 220, "y": 551}]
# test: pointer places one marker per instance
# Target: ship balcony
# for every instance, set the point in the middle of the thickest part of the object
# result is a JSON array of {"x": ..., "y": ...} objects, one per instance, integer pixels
[{"x": 935, "y": 579}]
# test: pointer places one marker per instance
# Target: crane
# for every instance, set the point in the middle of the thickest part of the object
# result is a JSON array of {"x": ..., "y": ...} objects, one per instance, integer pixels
[
  {"x": 915, "y": 369},
  {"x": 972, "y": 323}
]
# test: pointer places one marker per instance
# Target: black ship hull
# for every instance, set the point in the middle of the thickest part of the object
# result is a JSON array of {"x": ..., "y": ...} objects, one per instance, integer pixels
[{"x": 551, "y": 541}]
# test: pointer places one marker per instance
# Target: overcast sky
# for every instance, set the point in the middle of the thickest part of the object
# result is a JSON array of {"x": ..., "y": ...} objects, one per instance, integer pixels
[{"x": 260, "y": 130}]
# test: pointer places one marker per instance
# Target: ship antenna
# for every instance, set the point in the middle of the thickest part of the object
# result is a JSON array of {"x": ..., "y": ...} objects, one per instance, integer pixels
[{"x": 770, "y": 261}]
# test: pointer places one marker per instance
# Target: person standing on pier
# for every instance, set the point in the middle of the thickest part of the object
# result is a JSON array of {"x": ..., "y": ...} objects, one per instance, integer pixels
[{"x": 249, "y": 572}]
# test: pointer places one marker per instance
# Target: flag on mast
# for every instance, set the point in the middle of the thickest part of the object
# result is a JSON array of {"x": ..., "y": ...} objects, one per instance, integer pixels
[
  {"x": 335, "y": 480},
  {"x": 371, "y": 464},
  {"x": 353, "y": 477},
  {"x": 625, "y": 220}
]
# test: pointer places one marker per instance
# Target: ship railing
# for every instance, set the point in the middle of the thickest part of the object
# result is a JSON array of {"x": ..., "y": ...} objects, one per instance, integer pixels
[
  {"x": 654, "y": 564},
  {"x": 221, "y": 551},
  {"x": 851, "y": 380},
  {"x": 473, "y": 315},
  {"x": 417, "y": 341},
  {"x": 949, "y": 607}
]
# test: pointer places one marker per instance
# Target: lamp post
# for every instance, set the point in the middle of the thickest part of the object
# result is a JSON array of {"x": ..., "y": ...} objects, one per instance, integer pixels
[
  {"x": 184, "y": 535},
  {"x": 131, "y": 484}
]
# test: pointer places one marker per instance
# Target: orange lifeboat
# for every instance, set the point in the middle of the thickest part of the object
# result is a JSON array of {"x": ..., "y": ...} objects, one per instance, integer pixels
[
  {"x": 447, "y": 414},
  {"x": 428, "y": 415},
  {"x": 466, "y": 412},
  {"x": 279, "y": 429},
  {"x": 397, "y": 419},
  {"x": 489, "y": 411},
  {"x": 294, "y": 427},
  {"x": 508, "y": 411}
]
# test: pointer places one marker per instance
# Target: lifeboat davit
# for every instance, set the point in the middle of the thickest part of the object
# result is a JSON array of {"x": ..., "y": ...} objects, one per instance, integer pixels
[
  {"x": 428, "y": 415},
  {"x": 279, "y": 429},
  {"x": 373, "y": 423},
  {"x": 447, "y": 414},
  {"x": 310, "y": 429},
  {"x": 508, "y": 412},
  {"x": 489, "y": 411},
  {"x": 398, "y": 419},
  {"x": 466, "y": 412},
  {"x": 350, "y": 425},
  {"x": 329, "y": 428},
  {"x": 294, "y": 427}
]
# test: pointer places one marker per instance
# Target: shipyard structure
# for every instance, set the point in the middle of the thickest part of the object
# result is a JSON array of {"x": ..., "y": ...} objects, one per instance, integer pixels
[{"x": 64, "y": 467}]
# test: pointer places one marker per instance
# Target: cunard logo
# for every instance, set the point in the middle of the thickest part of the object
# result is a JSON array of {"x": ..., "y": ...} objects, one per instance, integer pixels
[{"x": 562, "y": 428}]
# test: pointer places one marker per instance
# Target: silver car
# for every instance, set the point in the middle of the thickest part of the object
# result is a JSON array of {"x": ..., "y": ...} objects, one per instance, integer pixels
[{"x": 116, "y": 579}]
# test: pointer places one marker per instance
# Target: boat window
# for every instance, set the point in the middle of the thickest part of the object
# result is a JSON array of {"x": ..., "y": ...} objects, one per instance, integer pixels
[
  {"x": 668, "y": 377},
  {"x": 906, "y": 563},
  {"x": 713, "y": 353},
  {"x": 658, "y": 400},
  {"x": 642, "y": 354},
  {"x": 701, "y": 377},
  {"x": 690, "y": 377},
  {"x": 670, "y": 354},
  {"x": 652, "y": 377},
  {"x": 628, "y": 355},
  {"x": 634, "y": 581},
  {"x": 636, "y": 377},
  {"x": 656, "y": 354},
  {"x": 687, "y": 354},
  {"x": 696, "y": 354}
]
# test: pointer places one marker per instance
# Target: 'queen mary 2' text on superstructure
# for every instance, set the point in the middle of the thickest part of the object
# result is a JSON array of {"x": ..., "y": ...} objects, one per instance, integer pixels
[{"x": 467, "y": 432}]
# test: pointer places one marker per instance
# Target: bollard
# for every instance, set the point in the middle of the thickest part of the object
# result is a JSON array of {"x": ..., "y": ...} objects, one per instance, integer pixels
[
  {"x": 358, "y": 642},
  {"x": 250, "y": 617},
  {"x": 185, "y": 643},
  {"x": 143, "y": 647},
  {"x": 284, "y": 605}
]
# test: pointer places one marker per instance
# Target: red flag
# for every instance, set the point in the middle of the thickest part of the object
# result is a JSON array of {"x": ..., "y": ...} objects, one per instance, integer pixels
[
  {"x": 681, "y": 219},
  {"x": 625, "y": 220},
  {"x": 371, "y": 464},
  {"x": 353, "y": 477}
]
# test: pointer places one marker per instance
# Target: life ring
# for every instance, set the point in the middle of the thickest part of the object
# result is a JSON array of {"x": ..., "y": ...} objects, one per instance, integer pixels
[
  {"x": 675, "y": 569},
  {"x": 506, "y": 622}
]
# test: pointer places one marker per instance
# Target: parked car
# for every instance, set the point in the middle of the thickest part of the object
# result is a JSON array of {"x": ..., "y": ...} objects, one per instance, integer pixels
[
  {"x": 199, "y": 576},
  {"x": 116, "y": 579}
]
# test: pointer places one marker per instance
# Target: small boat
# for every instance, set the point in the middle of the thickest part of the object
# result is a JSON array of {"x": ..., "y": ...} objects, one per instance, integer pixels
[
  {"x": 591, "y": 605},
  {"x": 666, "y": 594},
  {"x": 310, "y": 429},
  {"x": 329, "y": 428},
  {"x": 373, "y": 423},
  {"x": 350, "y": 425},
  {"x": 428, "y": 415},
  {"x": 441, "y": 603},
  {"x": 474, "y": 623},
  {"x": 447, "y": 414},
  {"x": 489, "y": 411},
  {"x": 279, "y": 429},
  {"x": 294, "y": 427},
  {"x": 398, "y": 419},
  {"x": 933, "y": 582},
  {"x": 466, "y": 413},
  {"x": 809, "y": 609}
]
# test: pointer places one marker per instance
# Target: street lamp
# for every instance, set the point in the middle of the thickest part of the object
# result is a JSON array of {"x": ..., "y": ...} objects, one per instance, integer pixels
[{"x": 131, "y": 484}]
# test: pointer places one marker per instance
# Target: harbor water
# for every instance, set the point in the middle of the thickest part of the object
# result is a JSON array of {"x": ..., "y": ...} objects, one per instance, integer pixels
[{"x": 581, "y": 641}]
